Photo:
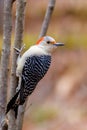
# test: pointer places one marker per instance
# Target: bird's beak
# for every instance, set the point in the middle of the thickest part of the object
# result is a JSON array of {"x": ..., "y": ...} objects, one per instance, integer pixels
[{"x": 59, "y": 44}]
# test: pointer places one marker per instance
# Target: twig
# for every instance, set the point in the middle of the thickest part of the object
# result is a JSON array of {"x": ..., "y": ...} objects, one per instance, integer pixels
[{"x": 47, "y": 17}]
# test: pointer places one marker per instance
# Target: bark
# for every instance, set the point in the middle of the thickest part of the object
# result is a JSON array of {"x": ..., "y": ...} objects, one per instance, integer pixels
[
  {"x": 47, "y": 18},
  {"x": 20, "y": 117},
  {"x": 19, "y": 27},
  {"x": 7, "y": 28}
]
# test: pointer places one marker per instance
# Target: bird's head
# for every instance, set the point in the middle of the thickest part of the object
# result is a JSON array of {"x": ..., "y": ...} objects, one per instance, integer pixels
[{"x": 48, "y": 44}]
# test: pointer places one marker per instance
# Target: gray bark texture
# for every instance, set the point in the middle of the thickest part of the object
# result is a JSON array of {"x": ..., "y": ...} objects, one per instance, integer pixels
[
  {"x": 47, "y": 18},
  {"x": 19, "y": 28},
  {"x": 5, "y": 56}
]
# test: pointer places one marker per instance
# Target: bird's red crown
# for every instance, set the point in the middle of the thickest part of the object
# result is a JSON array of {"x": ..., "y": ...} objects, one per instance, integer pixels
[{"x": 41, "y": 39}]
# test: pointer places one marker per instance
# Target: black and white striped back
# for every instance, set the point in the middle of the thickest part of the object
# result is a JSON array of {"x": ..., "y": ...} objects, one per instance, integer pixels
[{"x": 33, "y": 71}]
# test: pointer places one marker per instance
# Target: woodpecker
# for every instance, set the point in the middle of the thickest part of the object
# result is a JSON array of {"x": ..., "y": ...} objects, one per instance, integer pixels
[{"x": 31, "y": 68}]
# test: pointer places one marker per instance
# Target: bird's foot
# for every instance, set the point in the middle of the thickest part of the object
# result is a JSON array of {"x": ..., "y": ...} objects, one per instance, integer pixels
[{"x": 18, "y": 51}]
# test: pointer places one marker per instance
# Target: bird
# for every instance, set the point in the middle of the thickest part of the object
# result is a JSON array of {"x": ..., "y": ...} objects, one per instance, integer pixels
[{"x": 31, "y": 68}]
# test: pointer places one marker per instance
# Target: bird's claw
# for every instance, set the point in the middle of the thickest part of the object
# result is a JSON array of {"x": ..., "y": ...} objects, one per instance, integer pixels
[{"x": 18, "y": 51}]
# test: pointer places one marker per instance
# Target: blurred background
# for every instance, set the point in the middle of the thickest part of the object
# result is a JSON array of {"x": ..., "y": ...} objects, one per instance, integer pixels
[{"x": 60, "y": 99}]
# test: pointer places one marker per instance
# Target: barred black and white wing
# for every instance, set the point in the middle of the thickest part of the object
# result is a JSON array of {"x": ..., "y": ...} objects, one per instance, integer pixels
[{"x": 33, "y": 71}]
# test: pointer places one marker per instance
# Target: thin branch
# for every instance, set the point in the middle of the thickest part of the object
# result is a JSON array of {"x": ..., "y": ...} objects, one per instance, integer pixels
[
  {"x": 47, "y": 17},
  {"x": 21, "y": 13},
  {"x": 19, "y": 27},
  {"x": 21, "y": 116},
  {"x": 7, "y": 29}
]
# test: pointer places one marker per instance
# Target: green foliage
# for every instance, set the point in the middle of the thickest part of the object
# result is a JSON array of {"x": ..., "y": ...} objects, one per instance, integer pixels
[
  {"x": 29, "y": 40},
  {"x": 74, "y": 41},
  {"x": 40, "y": 115},
  {"x": 0, "y": 43}
]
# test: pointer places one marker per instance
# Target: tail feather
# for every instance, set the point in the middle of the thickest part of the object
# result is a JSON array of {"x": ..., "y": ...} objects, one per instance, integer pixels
[
  {"x": 16, "y": 111},
  {"x": 12, "y": 105}
]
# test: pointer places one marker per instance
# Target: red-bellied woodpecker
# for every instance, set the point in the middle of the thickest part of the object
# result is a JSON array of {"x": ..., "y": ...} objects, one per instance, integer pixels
[{"x": 31, "y": 68}]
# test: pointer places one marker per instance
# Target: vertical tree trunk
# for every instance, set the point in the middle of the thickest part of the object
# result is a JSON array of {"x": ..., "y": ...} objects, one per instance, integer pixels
[
  {"x": 19, "y": 28},
  {"x": 7, "y": 28},
  {"x": 47, "y": 17},
  {"x": 21, "y": 5}
]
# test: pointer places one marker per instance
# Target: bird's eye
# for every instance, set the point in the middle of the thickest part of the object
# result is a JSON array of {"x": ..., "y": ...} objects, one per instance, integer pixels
[{"x": 48, "y": 42}]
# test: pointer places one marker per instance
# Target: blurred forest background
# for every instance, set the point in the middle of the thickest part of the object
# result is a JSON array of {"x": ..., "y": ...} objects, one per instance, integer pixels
[{"x": 60, "y": 99}]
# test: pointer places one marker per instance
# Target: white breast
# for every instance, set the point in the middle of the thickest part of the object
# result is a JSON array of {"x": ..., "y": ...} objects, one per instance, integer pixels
[{"x": 34, "y": 50}]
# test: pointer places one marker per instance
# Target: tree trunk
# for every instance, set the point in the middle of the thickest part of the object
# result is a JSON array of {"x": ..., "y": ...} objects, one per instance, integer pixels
[
  {"x": 19, "y": 28},
  {"x": 7, "y": 28}
]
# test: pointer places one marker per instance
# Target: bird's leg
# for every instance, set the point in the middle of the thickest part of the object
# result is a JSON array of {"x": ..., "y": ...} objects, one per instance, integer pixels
[{"x": 18, "y": 51}]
